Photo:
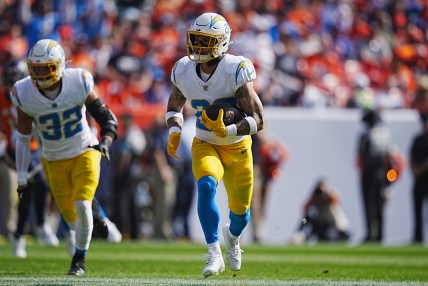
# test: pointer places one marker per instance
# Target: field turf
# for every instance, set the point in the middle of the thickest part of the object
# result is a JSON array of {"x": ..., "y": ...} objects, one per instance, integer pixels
[{"x": 180, "y": 263}]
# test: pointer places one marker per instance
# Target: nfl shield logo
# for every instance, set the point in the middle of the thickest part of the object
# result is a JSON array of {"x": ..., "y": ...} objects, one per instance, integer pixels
[{"x": 206, "y": 87}]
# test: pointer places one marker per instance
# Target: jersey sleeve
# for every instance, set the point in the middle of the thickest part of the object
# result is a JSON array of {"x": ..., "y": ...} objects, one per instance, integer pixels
[
  {"x": 178, "y": 69},
  {"x": 245, "y": 72},
  {"x": 14, "y": 97},
  {"x": 88, "y": 81},
  {"x": 174, "y": 73}
]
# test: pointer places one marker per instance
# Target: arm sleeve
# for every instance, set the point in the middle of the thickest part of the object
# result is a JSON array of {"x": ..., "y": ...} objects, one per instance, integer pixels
[{"x": 23, "y": 155}]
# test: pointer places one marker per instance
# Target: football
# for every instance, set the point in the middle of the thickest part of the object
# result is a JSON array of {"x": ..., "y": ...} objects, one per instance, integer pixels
[{"x": 232, "y": 113}]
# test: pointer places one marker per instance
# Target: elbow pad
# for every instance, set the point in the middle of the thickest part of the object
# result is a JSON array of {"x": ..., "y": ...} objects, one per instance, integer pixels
[
  {"x": 104, "y": 117},
  {"x": 23, "y": 157}
]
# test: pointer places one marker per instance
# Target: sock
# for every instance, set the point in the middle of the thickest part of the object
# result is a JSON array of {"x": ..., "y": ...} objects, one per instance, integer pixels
[
  {"x": 238, "y": 223},
  {"x": 84, "y": 225},
  {"x": 209, "y": 215}
]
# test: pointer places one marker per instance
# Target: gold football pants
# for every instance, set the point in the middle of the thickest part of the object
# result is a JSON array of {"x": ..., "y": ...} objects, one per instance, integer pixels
[
  {"x": 73, "y": 179},
  {"x": 232, "y": 163}
]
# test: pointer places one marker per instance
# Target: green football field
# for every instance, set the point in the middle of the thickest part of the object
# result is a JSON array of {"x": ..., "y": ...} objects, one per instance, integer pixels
[{"x": 180, "y": 263}]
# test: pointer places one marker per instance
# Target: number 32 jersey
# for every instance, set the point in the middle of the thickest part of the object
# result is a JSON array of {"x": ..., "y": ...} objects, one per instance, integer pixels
[{"x": 61, "y": 123}]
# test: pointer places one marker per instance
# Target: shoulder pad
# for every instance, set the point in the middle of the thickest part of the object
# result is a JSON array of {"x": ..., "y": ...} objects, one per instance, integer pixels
[
  {"x": 178, "y": 67},
  {"x": 88, "y": 80},
  {"x": 14, "y": 96},
  {"x": 241, "y": 67},
  {"x": 82, "y": 76}
]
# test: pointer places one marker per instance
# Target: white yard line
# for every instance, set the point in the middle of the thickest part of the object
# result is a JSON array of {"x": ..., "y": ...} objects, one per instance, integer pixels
[{"x": 12, "y": 281}]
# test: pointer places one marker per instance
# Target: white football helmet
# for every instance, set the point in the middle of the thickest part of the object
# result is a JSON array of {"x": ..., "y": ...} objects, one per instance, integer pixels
[
  {"x": 216, "y": 31},
  {"x": 46, "y": 63}
]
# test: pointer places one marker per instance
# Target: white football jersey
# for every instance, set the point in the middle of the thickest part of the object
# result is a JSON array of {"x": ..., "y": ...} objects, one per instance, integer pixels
[
  {"x": 61, "y": 123},
  {"x": 231, "y": 73}
]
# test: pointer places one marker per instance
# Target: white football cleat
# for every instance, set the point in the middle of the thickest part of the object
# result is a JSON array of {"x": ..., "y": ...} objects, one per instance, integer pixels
[
  {"x": 233, "y": 250},
  {"x": 48, "y": 235},
  {"x": 215, "y": 264},
  {"x": 114, "y": 234},
  {"x": 19, "y": 247}
]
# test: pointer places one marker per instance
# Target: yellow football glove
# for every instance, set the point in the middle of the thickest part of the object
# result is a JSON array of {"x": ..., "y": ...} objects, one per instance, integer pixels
[
  {"x": 217, "y": 126},
  {"x": 173, "y": 143}
]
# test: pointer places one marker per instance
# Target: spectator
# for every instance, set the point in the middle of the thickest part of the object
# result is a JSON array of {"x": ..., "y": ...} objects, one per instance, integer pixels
[
  {"x": 8, "y": 184},
  {"x": 14, "y": 71},
  {"x": 323, "y": 217},
  {"x": 373, "y": 153},
  {"x": 269, "y": 154},
  {"x": 162, "y": 180},
  {"x": 127, "y": 174},
  {"x": 419, "y": 165},
  {"x": 186, "y": 183}
]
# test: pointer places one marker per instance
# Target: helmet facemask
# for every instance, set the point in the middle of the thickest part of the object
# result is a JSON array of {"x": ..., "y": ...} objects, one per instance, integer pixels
[
  {"x": 45, "y": 75},
  {"x": 204, "y": 51}
]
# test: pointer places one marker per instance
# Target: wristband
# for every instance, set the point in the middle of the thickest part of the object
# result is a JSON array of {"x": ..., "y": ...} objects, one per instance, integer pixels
[
  {"x": 22, "y": 178},
  {"x": 231, "y": 130},
  {"x": 253, "y": 124},
  {"x": 171, "y": 114},
  {"x": 174, "y": 129}
]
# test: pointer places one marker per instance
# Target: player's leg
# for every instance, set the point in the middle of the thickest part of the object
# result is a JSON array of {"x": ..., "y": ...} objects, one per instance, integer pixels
[
  {"x": 18, "y": 240},
  {"x": 58, "y": 176},
  {"x": 100, "y": 226},
  {"x": 103, "y": 225},
  {"x": 9, "y": 218},
  {"x": 85, "y": 176},
  {"x": 40, "y": 195},
  {"x": 238, "y": 180},
  {"x": 208, "y": 171}
]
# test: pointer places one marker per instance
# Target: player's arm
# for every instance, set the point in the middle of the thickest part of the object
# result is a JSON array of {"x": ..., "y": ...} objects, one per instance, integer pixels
[
  {"x": 174, "y": 119},
  {"x": 174, "y": 115},
  {"x": 106, "y": 119},
  {"x": 23, "y": 152},
  {"x": 249, "y": 101}
]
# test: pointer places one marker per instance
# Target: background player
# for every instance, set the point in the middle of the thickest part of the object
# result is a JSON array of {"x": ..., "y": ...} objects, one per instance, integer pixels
[
  {"x": 55, "y": 99},
  {"x": 208, "y": 75}
]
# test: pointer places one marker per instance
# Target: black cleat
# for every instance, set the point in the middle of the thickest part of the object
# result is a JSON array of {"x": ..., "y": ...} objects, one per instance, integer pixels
[
  {"x": 100, "y": 225},
  {"x": 77, "y": 265}
]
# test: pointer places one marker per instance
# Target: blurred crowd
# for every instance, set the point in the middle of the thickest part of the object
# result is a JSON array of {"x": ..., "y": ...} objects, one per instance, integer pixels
[
  {"x": 307, "y": 53},
  {"x": 333, "y": 53}
]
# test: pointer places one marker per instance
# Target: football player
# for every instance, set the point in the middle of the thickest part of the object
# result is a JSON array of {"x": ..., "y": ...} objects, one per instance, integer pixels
[
  {"x": 208, "y": 75},
  {"x": 55, "y": 98}
]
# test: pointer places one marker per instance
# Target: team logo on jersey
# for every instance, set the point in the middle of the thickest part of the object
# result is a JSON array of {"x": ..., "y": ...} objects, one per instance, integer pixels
[{"x": 242, "y": 65}]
